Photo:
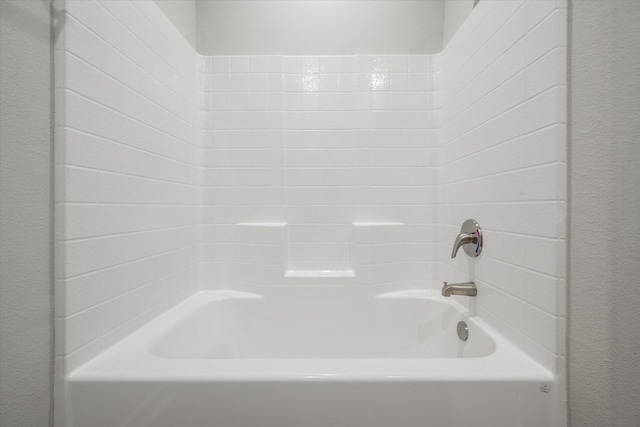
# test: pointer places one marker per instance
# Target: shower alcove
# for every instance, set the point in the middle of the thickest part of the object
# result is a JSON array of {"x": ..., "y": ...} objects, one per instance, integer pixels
[{"x": 249, "y": 236}]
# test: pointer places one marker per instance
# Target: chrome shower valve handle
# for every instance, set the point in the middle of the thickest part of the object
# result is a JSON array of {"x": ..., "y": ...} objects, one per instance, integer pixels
[{"x": 470, "y": 239}]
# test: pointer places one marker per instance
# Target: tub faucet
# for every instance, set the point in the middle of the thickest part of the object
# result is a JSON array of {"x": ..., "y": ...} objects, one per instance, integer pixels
[
  {"x": 463, "y": 239},
  {"x": 469, "y": 239},
  {"x": 469, "y": 289}
]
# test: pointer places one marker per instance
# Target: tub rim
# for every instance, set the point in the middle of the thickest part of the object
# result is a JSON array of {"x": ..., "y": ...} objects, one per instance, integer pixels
[{"x": 131, "y": 359}]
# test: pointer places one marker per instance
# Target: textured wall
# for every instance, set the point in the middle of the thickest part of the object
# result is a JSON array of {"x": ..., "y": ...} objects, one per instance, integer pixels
[
  {"x": 25, "y": 214},
  {"x": 182, "y": 13},
  {"x": 604, "y": 340},
  {"x": 127, "y": 183},
  {"x": 503, "y": 164},
  {"x": 342, "y": 27}
]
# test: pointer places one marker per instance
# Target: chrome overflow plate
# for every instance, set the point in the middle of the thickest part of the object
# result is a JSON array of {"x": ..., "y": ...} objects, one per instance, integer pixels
[{"x": 463, "y": 331}]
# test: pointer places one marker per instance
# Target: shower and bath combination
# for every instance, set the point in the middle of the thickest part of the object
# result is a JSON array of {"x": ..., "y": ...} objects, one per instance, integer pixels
[{"x": 259, "y": 238}]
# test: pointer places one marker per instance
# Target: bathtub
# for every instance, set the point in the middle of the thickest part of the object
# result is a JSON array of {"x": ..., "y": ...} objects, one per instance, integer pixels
[{"x": 229, "y": 358}]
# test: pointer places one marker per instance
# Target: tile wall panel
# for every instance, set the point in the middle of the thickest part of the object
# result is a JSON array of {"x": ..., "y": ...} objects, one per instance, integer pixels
[
  {"x": 128, "y": 179},
  {"x": 178, "y": 171},
  {"x": 503, "y": 163},
  {"x": 318, "y": 143}
]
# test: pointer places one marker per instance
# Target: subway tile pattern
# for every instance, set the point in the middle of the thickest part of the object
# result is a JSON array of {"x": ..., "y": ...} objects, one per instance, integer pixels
[
  {"x": 503, "y": 162},
  {"x": 127, "y": 176}
]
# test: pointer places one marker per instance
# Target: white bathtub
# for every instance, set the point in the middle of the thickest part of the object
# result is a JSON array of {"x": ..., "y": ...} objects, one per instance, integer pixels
[{"x": 224, "y": 358}]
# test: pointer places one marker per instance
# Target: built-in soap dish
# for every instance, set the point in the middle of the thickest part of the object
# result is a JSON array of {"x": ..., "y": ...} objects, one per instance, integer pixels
[
  {"x": 262, "y": 224},
  {"x": 320, "y": 273},
  {"x": 377, "y": 224}
]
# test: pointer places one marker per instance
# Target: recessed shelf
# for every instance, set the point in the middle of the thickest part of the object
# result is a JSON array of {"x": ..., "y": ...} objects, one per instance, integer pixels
[
  {"x": 320, "y": 273},
  {"x": 262, "y": 224},
  {"x": 377, "y": 224}
]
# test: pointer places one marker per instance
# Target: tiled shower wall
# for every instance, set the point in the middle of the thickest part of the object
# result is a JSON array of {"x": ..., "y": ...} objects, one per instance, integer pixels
[
  {"x": 319, "y": 167},
  {"x": 271, "y": 170},
  {"x": 127, "y": 184},
  {"x": 503, "y": 163}
]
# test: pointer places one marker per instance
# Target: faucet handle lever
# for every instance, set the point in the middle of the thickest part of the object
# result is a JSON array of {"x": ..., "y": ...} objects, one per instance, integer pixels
[{"x": 470, "y": 239}]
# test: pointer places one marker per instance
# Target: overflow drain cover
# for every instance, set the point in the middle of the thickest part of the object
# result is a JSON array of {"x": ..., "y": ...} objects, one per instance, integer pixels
[{"x": 463, "y": 331}]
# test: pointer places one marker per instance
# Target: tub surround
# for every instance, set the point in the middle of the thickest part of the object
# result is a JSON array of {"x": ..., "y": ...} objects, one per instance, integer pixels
[
  {"x": 308, "y": 158},
  {"x": 503, "y": 162},
  {"x": 127, "y": 179},
  {"x": 323, "y": 174}
]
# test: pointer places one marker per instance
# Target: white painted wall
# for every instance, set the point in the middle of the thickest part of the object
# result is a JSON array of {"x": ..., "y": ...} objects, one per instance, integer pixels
[
  {"x": 319, "y": 27},
  {"x": 604, "y": 297},
  {"x": 182, "y": 13},
  {"x": 25, "y": 214},
  {"x": 455, "y": 13}
]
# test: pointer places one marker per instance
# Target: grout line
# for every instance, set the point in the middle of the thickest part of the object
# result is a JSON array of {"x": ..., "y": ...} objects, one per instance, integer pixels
[
  {"x": 506, "y": 141},
  {"x": 69, "y": 316},
  {"x": 82, "y": 96},
  {"x": 510, "y": 109},
  {"x": 124, "y": 144},
  {"x": 132, "y": 90},
  {"x": 111, "y": 267},
  {"x": 124, "y": 55},
  {"x": 125, "y": 233},
  {"x": 141, "y": 177}
]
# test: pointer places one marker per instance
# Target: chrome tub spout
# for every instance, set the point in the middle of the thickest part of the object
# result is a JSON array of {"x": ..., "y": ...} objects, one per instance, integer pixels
[{"x": 469, "y": 289}]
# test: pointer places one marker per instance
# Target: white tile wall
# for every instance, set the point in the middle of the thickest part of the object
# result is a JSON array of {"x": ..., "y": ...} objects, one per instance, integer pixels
[
  {"x": 503, "y": 163},
  {"x": 128, "y": 183},
  {"x": 263, "y": 170},
  {"x": 317, "y": 143}
]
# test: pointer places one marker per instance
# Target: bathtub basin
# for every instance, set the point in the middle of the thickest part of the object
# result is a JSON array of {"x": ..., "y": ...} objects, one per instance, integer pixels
[{"x": 227, "y": 359}]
